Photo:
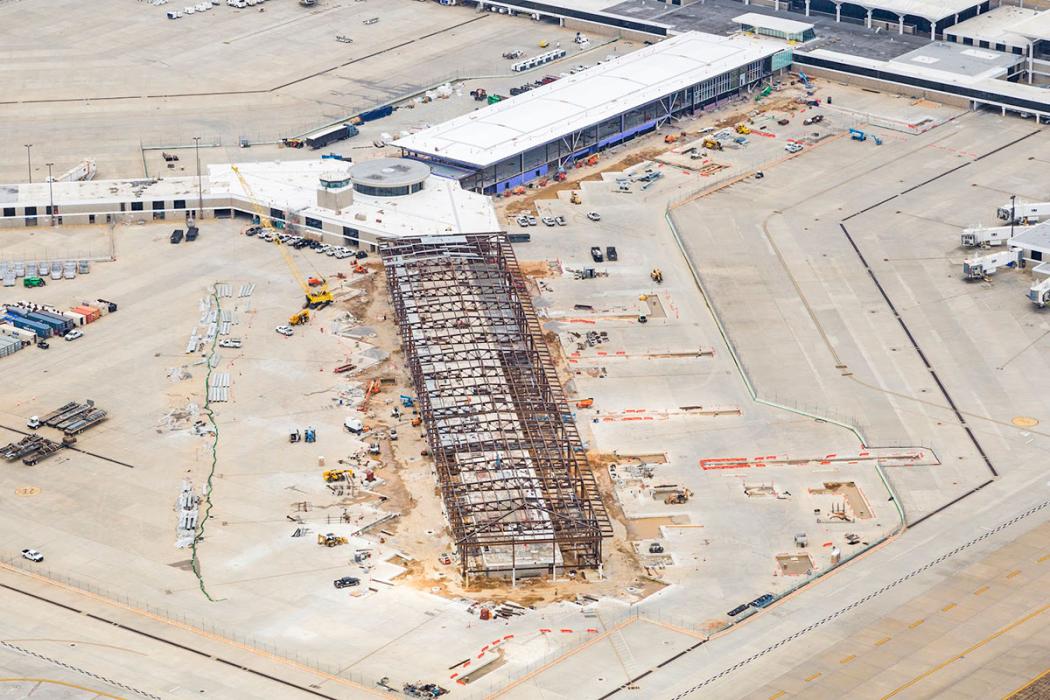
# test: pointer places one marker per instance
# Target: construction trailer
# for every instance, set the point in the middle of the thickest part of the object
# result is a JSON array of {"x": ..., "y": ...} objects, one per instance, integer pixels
[{"x": 518, "y": 494}]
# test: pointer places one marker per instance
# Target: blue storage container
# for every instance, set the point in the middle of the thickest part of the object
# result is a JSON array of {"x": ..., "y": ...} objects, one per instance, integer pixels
[{"x": 42, "y": 330}]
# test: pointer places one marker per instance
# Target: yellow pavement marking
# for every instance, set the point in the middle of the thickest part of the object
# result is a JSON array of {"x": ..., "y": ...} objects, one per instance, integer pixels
[
  {"x": 778, "y": 694},
  {"x": 1043, "y": 558},
  {"x": 816, "y": 675},
  {"x": 98, "y": 693},
  {"x": 1013, "y": 573},
  {"x": 948, "y": 607},
  {"x": 1027, "y": 685},
  {"x": 917, "y": 623},
  {"x": 883, "y": 641},
  {"x": 847, "y": 659},
  {"x": 980, "y": 590},
  {"x": 978, "y": 645}
]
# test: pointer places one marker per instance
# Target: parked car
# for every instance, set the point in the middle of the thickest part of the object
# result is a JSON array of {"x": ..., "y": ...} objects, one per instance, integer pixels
[
  {"x": 548, "y": 221},
  {"x": 793, "y": 147},
  {"x": 611, "y": 254},
  {"x": 596, "y": 254},
  {"x": 42, "y": 344},
  {"x": 737, "y": 610},
  {"x": 522, "y": 221},
  {"x": 361, "y": 254},
  {"x": 347, "y": 582},
  {"x": 762, "y": 601},
  {"x": 176, "y": 236},
  {"x": 532, "y": 220},
  {"x": 285, "y": 330},
  {"x": 560, "y": 220},
  {"x": 74, "y": 334},
  {"x": 32, "y": 555},
  {"x": 656, "y": 548},
  {"x": 594, "y": 216}
]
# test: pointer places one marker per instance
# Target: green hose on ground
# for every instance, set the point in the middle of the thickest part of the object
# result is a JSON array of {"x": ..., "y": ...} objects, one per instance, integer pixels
[{"x": 195, "y": 561}]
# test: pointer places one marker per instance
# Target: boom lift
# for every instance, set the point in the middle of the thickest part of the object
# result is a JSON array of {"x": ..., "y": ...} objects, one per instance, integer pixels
[{"x": 318, "y": 296}]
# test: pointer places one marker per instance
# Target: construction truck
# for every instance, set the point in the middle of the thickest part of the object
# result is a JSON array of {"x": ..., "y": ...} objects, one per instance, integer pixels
[
  {"x": 584, "y": 403},
  {"x": 333, "y": 475},
  {"x": 1039, "y": 293},
  {"x": 712, "y": 145},
  {"x": 985, "y": 265},
  {"x": 1024, "y": 213},
  {"x": 330, "y": 540},
  {"x": 575, "y": 197},
  {"x": 743, "y": 128},
  {"x": 299, "y": 318},
  {"x": 657, "y": 275},
  {"x": 678, "y": 497},
  {"x": 981, "y": 236}
]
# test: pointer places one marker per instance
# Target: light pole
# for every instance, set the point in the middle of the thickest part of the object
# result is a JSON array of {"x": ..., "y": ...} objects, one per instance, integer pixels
[
  {"x": 1013, "y": 197},
  {"x": 29, "y": 161},
  {"x": 51, "y": 193},
  {"x": 200, "y": 194}
]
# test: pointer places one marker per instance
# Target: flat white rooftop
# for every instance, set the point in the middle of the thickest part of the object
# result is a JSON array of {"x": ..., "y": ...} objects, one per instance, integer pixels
[
  {"x": 780, "y": 24},
  {"x": 1037, "y": 27},
  {"x": 932, "y": 10},
  {"x": 995, "y": 26},
  {"x": 491, "y": 134}
]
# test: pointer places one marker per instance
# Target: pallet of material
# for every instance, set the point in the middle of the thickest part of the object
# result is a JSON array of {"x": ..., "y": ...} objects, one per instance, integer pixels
[{"x": 25, "y": 446}]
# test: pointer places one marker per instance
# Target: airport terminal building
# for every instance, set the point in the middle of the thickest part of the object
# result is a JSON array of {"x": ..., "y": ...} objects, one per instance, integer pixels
[{"x": 548, "y": 129}]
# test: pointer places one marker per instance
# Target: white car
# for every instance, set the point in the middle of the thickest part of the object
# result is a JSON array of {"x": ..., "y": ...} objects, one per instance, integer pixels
[
  {"x": 549, "y": 221},
  {"x": 230, "y": 343},
  {"x": 32, "y": 555},
  {"x": 73, "y": 335},
  {"x": 793, "y": 147},
  {"x": 594, "y": 216},
  {"x": 285, "y": 330}
]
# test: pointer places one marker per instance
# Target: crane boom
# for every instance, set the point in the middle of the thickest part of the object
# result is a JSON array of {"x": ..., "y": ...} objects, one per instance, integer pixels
[{"x": 317, "y": 296}]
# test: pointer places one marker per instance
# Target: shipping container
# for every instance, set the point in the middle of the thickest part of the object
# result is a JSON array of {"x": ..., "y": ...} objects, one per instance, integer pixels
[
  {"x": 42, "y": 331},
  {"x": 9, "y": 346},
  {"x": 378, "y": 113},
  {"x": 320, "y": 139},
  {"x": 22, "y": 334},
  {"x": 90, "y": 313},
  {"x": 77, "y": 319},
  {"x": 56, "y": 317}
]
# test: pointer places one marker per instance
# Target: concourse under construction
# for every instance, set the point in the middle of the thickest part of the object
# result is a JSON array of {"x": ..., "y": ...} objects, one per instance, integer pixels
[{"x": 519, "y": 496}]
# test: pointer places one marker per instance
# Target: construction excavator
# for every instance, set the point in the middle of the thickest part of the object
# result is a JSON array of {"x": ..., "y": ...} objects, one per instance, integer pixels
[
  {"x": 318, "y": 295},
  {"x": 298, "y": 319}
]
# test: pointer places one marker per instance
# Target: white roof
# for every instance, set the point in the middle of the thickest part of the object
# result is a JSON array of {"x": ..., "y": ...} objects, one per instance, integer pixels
[
  {"x": 995, "y": 26},
  {"x": 1033, "y": 238},
  {"x": 928, "y": 9},
  {"x": 442, "y": 206},
  {"x": 507, "y": 128},
  {"x": 941, "y": 61},
  {"x": 1037, "y": 27},
  {"x": 780, "y": 24}
]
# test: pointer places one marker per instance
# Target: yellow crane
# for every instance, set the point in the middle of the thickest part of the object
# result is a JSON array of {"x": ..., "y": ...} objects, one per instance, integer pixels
[{"x": 318, "y": 295}]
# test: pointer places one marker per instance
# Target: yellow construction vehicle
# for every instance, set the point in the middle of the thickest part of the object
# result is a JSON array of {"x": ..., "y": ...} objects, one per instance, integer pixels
[
  {"x": 679, "y": 496},
  {"x": 575, "y": 198},
  {"x": 657, "y": 275},
  {"x": 712, "y": 145},
  {"x": 317, "y": 295},
  {"x": 333, "y": 475},
  {"x": 331, "y": 540},
  {"x": 299, "y": 318},
  {"x": 743, "y": 128}
]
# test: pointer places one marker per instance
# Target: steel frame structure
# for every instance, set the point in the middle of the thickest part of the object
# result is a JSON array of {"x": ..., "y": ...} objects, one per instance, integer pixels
[{"x": 509, "y": 460}]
